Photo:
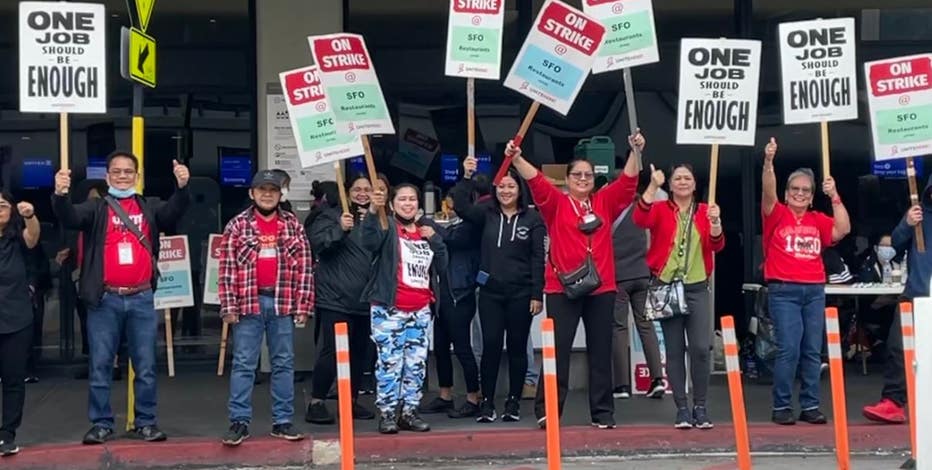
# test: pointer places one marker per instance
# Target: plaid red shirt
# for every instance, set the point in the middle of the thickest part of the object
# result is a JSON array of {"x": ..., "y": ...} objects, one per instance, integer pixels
[{"x": 239, "y": 253}]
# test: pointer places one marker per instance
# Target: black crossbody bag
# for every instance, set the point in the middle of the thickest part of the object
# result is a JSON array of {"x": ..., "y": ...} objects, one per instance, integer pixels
[{"x": 134, "y": 229}]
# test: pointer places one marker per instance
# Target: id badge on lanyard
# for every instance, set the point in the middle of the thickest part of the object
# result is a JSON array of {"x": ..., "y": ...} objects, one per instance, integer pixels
[{"x": 125, "y": 253}]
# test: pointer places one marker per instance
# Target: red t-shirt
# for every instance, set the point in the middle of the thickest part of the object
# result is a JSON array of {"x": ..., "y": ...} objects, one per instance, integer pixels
[
  {"x": 127, "y": 263},
  {"x": 414, "y": 258},
  {"x": 267, "y": 262},
  {"x": 793, "y": 246}
]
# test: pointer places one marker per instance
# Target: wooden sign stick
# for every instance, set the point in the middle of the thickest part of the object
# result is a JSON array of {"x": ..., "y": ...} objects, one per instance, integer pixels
[
  {"x": 826, "y": 169},
  {"x": 169, "y": 344},
  {"x": 914, "y": 200},
  {"x": 471, "y": 117},
  {"x": 632, "y": 111},
  {"x": 224, "y": 333},
  {"x": 64, "y": 133},
  {"x": 519, "y": 137},
  {"x": 344, "y": 203},
  {"x": 374, "y": 178},
  {"x": 713, "y": 174}
]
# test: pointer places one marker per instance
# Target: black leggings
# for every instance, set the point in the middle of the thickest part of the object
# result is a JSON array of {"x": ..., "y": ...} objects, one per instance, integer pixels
[
  {"x": 452, "y": 326},
  {"x": 325, "y": 370},
  {"x": 498, "y": 314},
  {"x": 14, "y": 349}
]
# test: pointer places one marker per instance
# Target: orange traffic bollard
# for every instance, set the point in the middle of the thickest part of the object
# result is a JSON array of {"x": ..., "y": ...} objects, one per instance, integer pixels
[
  {"x": 552, "y": 419},
  {"x": 909, "y": 358},
  {"x": 839, "y": 412},
  {"x": 736, "y": 393},
  {"x": 344, "y": 394}
]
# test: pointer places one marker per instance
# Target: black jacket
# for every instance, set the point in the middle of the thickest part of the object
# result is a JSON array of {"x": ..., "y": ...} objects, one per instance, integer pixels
[
  {"x": 383, "y": 280},
  {"x": 343, "y": 263},
  {"x": 512, "y": 252},
  {"x": 91, "y": 218},
  {"x": 462, "y": 240}
]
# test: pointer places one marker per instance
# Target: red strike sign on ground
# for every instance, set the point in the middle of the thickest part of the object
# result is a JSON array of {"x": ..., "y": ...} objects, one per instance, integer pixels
[
  {"x": 303, "y": 87},
  {"x": 478, "y": 7},
  {"x": 346, "y": 53},
  {"x": 895, "y": 78},
  {"x": 568, "y": 27}
]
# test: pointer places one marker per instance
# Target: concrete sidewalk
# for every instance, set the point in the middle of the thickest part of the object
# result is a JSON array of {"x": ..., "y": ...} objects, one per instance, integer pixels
[{"x": 192, "y": 410}]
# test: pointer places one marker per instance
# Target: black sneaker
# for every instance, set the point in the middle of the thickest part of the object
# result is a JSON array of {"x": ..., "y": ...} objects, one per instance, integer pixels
[
  {"x": 486, "y": 412},
  {"x": 239, "y": 432},
  {"x": 512, "y": 412},
  {"x": 150, "y": 433},
  {"x": 701, "y": 418},
  {"x": 8, "y": 448},
  {"x": 361, "y": 412},
  {"x": 318, "y": 413},
  {"x": 32, "y": 379},
  {"x": 606, "y": 422},
  {"x": 467, "y": 410},
  {"x": 368, "y": 384},
  {"x": 684, "y": 419},
  {"x": 287, "y": 432},
  {"x": 388, "y": 425},
  {"x": 783, "y": 417},
  {"x": 97, "y": 435},
  {"x": 412, "y": 422},
  {"x": 622, "y": 392},
  {"x": 437, "y": 405},
  {"x": 813, "y": 416},
  {"x": 542, "y": 422},
  {"x": 658, "y": 388}
]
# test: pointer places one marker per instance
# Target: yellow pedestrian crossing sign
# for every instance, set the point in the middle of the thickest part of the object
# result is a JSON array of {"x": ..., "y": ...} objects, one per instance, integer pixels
[
  {"x": 144, "y": 12},
  {"x": 141, "y": 58}
]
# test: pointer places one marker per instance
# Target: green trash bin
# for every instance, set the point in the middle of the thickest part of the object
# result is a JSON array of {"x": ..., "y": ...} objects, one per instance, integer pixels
[{"x": 600, "y": 151}]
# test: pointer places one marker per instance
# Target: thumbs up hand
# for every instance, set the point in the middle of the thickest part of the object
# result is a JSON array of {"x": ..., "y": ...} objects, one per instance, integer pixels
[{"x": 181, "y": 173}]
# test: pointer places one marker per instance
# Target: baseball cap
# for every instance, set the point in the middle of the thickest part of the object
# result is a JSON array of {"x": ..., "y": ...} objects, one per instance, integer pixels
[{"x": 266, "y": 177}]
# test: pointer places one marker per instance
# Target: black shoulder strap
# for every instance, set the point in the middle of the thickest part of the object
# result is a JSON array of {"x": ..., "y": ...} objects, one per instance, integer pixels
[{"x": 129, "y": 224}]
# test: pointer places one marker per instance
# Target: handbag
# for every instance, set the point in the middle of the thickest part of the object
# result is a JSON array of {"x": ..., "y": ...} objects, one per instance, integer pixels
[
  {"x": 581, "y": 281},
  {"x": 667, "y": 300}
]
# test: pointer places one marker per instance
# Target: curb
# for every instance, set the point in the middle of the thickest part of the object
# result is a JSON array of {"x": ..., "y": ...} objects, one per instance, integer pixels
[{"x": 500, "y": 444}]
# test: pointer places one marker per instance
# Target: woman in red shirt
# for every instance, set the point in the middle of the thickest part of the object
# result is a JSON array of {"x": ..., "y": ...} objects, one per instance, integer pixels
[
  {"x": 793, "y": 239},
  {"x": 579, "y": 225},
  {"x": 684, "y": 235}
]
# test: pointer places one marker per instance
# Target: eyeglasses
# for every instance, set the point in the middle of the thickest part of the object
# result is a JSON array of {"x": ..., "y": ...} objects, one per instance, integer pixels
[
  {"x": 5, "y": 206},
  {"x": 124, "y": 172},
  {"x": 582, "y": 175},
  {"x": 804, "y": 190}
]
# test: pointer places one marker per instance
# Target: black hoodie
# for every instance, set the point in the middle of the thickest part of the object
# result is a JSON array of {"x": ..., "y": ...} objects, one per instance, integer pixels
[
  {"x": 343, "y": 264},
  {"x": 512, "y": 247}
]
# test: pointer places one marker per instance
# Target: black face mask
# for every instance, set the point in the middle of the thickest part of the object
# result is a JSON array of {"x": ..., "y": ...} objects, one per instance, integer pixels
[
  {"x": 355, "y": 207},
  {"x": 264, "y": 212},
  {"x": 404, "y": 221}
]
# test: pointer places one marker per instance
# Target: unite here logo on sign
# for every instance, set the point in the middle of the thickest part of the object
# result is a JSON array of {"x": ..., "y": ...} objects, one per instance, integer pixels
[
  {"x": 899, "y": 94},
  {"x": 556, "y": 56},
  {"x": 312, "y": 120},
  {"x": 630, "y": 36},
  {"x": 351, "y": 85},
  {"x": 474, "y": 38},
  {"x": 62, "y": 58},
  {"x": 819, "y": 69},
  {"x": 719, "y": 80}
]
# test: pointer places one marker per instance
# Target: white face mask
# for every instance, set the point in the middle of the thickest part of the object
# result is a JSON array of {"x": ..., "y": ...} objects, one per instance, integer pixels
[{"x": 886, "y": 253}]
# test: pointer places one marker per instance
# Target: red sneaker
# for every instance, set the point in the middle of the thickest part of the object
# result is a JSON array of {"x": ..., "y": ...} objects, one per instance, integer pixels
[{"x": 885, "y": 411}]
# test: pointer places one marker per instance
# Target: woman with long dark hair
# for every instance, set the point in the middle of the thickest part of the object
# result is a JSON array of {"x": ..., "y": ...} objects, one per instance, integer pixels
[
  {"x": 511, "y": 281},
  {"x": 19, "y": 232},
  {"x": 401, "y": 288},
  {"x": 684, "y": 234},
  {"x": 580, "y": 275}
]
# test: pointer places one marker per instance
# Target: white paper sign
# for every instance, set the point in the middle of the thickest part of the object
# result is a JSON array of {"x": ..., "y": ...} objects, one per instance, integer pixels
[
  {"x": 474, "y": 38},
  {"x": 630, "y": 35},
  {"x": 174, "y": 286},
  {"x": 719, "y": 80},
  {"x": 556, "y": 56},
  {"x": 899, "y": 93},
  {"x": 819, "y": 69},
  {"x": 62, "y": 57},
  {"x": 282, "y": 150},
  {"x": 350, "y": 83},
  {"x": 313, "y": 121}
]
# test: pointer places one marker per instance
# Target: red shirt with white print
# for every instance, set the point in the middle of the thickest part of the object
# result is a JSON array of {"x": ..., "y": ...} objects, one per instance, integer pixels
[
  {"x": 267, "y": 262},
  {"x": 127, "y": 263},
  {"x": 414, "y": 258},
  {"x": 793, "y": 245}
]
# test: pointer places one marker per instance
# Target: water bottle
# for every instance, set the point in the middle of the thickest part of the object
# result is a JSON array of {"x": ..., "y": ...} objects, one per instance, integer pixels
[{"x": 887, "y": 274}]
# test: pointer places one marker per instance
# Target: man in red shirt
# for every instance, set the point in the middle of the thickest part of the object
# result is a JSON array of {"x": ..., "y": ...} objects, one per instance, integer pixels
[
  {"x": 118, "y": 279},
  {"x": 265, "y": 287}
]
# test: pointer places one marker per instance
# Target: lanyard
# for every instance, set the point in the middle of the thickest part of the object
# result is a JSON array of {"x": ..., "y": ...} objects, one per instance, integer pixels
[{"x": 587, "y": 205}]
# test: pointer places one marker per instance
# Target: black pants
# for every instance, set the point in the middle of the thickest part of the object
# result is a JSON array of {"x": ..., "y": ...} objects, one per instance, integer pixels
[
  {"x": 14, "y": 348},
  {"x": 452, "y": 326},
  {"x": 894, "y": 373},
  {"x": 696, "y": 328},
  {"x": 38, "y": 317},
  {"x": 634, "y": 293},
  {"x": 498, "y": 314},
  {"x": 325, "y": 370},
  {"x": 597, "y": 314}
]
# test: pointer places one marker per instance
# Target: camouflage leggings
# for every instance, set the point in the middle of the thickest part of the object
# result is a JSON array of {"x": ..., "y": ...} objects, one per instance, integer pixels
[{"x": 401, "y": 340}]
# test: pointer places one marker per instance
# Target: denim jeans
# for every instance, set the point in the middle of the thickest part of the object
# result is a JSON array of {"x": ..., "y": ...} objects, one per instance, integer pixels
[
  {"x": 247, "y": 340},
  {"x": 106, "y": 323},
  {"x": 798, "y": 313}
]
